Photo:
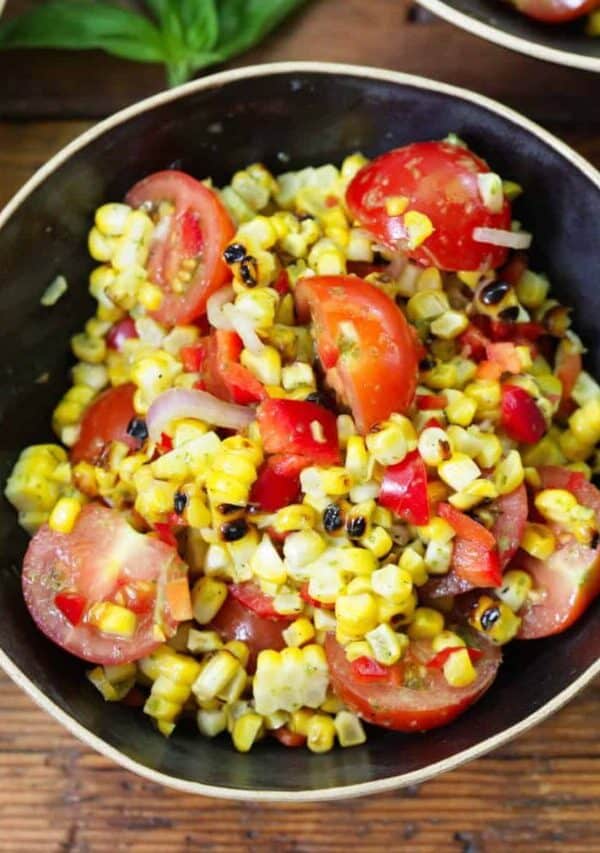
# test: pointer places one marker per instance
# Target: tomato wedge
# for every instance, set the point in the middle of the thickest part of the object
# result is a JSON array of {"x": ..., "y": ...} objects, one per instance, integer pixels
[
  {"x": 555, "y": 11},
  {"x": 567, "y": 582},
  {"x": 63, "y": 574},
  {"x": 222, "y": 372},
  {"x": 200, "y": 229},
  {"x": 301, "y": 428},
  {"x": 439, "y": 180},
  {"x": 236, "y": 621},
  {"x": 365, "y": 345},
  {"x": 106, "y": 420},
  {"x": 429, "y": 701}
]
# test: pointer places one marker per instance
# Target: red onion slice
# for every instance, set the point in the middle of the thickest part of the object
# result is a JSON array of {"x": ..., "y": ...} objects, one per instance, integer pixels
[
  {"x": 500, "y": 237},
  {"x": 178, "y": 403}
]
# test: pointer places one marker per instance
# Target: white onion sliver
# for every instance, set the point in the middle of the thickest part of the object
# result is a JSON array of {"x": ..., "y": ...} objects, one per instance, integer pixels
[
  {"x": 244, "y": 327},
  {"x": 214, "y": 308},
  {"x": 178, "y": 403},
  {"x": 500, "y": 237}
]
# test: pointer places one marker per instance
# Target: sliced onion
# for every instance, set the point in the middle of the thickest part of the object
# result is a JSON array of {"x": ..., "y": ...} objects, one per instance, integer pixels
[
  {"x": 214, "y": 308},
  {"x": 178, "y": 403},
  {"x": 500, "y": 237},
  {"x": 244, "y": 327}
]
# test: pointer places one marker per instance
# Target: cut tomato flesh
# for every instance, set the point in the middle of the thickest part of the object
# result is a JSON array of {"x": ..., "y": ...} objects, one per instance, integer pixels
[
  {"x": 236, "y": 621},
  {"x": 222, "y": 373},
  {"x": 106, "y": 420}
]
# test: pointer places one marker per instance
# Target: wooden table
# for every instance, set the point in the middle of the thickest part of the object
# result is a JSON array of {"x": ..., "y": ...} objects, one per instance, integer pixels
[{"x": 540, "y": 793}]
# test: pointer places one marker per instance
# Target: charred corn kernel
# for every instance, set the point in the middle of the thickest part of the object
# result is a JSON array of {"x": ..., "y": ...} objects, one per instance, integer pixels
[
  {"x": 426, "y": 623},
  {"x": 266, "y": 563},
  {"x": 387, "y": 645},
  {"x": 320, "y": 734},
  {"x": 357, "y": 458},
  {"x": 325, "y": 481},
  {"x": 64, "y": 515},
  {"x": 434, "y": 446},
  {"x": 349, "y": 729},
  {"x": 86, "y": 348},
  {"x": 515, "y": 588},
  {"x": 459, "y": 471},
  {"x": 437, "y": 557},
  {"x": 211, "y": 723},
  {"x": 303, "y": 547},
  {"x": 199, "y": 642},
  {"x": 461, "y": 409},
  {"x": 449, "y": 325},
  {"x": 358, "y": 649},
  {"x": 246, "y": 730},
  {"x": 300, "y": 631},
  {"x": 427, "y": 305},
  {"x": 418, "y": 227},
  {"x": 586, "y": 389},
  {"x": 208, "y": 595},
  {"x": 538, "y": 540},
  {"x": 392, "y": 582},
  {"x": 378, "y": 541},
  {"x": 476, "y": 492},
  {"x": 215, "y": 675},
  {"x": 495, "y": 619},
  {"x": 458, "y": 669},
  {"x": 440, "y": 377},
  {"x": 113, "y": 619},
  {"x": 413, "y": 563},
  {"x": 585, "y": 423},
  {"x": 295, "y": 517},
  {"x": 356, "y": 614}
]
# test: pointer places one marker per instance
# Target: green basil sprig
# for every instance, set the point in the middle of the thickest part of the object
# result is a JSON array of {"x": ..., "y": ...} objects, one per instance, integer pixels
[{"x": 184, "y": 35}]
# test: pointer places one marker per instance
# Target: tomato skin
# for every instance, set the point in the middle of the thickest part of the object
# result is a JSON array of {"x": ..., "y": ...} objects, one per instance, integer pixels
[
  {"x": 402, "y": 708},
  {"x": 474, "y": 555},
  {"x": 289, "y": 738},
  {"x": 222, "y": 373},
  {"x": 570, "y": 579},
  {"x": 193, "y": 358},
  {"x": 106, "y": 420},
  {"x": 278, "y": 482},
  {"x": 367, "y": 669},
  {"x": 100, "y": 557},
  {"x": 429, "y": 402},
  {"x": 314, "y": 602},
  {"x": 521, "y": 417},
  {"x": 200, "y": 223},
  {"x": 377, "y": 374},
  {"x": 235, "y": 621},
  {"x": 439, "y": 180},
  {"x": 440, "y": 658},
  {"x": 404, "y": 489},
  {"x": 251, "y": 596},
  {"x": 286, "y": 426},
  {"x": 120, "y": 332},
  {"x": 555, "y": 11}
]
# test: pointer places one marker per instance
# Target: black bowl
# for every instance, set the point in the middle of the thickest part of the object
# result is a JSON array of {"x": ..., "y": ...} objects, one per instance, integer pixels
[
  {"x": 288, "y": 116},
  {"x": 498, "y": 21}
]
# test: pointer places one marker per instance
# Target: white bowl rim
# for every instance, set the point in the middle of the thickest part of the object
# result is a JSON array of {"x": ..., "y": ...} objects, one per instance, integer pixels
[
  {"x": 500, "y": 36},
  {"x": 343, "y": 791}
]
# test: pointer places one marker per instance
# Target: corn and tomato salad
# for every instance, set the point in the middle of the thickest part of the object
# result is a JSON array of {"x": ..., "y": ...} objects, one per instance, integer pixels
[{"x": 327, "y": 448}]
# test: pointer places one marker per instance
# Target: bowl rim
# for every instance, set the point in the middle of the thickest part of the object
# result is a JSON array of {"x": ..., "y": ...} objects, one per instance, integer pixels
[
  {"x": 500, "y": 36},
  {"x": 342, "y": 791}
]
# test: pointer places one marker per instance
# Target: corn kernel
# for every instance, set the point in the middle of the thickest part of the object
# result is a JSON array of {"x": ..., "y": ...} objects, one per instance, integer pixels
[
  {"x": 476, "y": 492},
  {"x": 246, "y": 730},
  {"x": 392, "y": 582},
  {"x": 349, "y": 729},
  {"x": 300, "y": 631},
  {"x": 459, "y": 471},
  {"x": 427, "y": 305},
  {"x": 418, "y": 226},
  {"x": 64, "y": 515},
  {"x": 459, "y": 670},
  {"x": 449, "y": 325},
  {"x": 113, "y": 619},
  {"x": 585, "y": 423},
  {"x": 461, "y": 409},
  {"x": 538, "y": 540},
  {"x": 208, "y": 594},
  {"x": 515, "y": 588},
  {"x": 378, "y": 541},
  {"x": 426, "y": 624},
  {"x": 387, "y": 645},
  {"x": 494, "y": 619},
  {"x": 356, "y": 614},
  {"x": 216, "y": 674}
]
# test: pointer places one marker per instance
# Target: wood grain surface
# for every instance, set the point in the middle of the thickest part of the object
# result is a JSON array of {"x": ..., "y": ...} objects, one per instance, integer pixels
[{"x": 540, "y": 793}]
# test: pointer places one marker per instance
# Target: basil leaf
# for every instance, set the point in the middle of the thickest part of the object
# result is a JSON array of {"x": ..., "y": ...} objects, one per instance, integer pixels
[
  {"x": 189, "y": 27},
  {"x": 76, "y": 24}
]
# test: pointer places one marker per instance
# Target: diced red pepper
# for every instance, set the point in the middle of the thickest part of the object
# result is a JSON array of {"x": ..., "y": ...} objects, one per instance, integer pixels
[
  {"x": 278, "y": 482},
  {"x": 427, "y": 402},
  {"x": 165, "y": 533},
  {"x": 433, "y": 422},
  {"x": 138, "y": 597},
  {"x": 474, "y": 342},
  {"x": 502, "y": 331},
  {"x": 165, "y": 444},
  {"x": 222, "y": 373},
  {"x": 521, "y": 416},
  {"x": 282, "y": 283},
  {"x": 307, "y": 597},
  {"x": 288, "y": 738},
  {"x": 438, "y": 661},
  {"x": 505, "y": 355},
  {"x": 72, "y": 606},
  {"x": 193, "y": 358},
  {"x": 300, "y": 428},
  {"x": 367, "y": 669},
  {"x": 192, "y": 239},
  {"x": 252, "y": 597},
  {"x": 466, "y": 527},
  {"x": 121, "y": 332},
  {"x": 404, "y": 489}
]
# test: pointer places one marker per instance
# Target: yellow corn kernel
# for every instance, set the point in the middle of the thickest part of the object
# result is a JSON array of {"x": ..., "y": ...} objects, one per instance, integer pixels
[
  {"x": 64, "y": 515},
  {"x": 545, "y": 452},
  {"x": 395, "y": 205},
  {"x": 326, "y": 258},
  {"x": 459, "y": 471},
  {"x": 358, "y": 649},
  {"x": 418, "y": 226},
  {"x": 561, "y": 507},
  {"x": 413, "y": 563},
  {"x": 585, "y": 423},
  {"x": 532, "y": 289},
  {"x": 199, "y": 642},
  {"x": 325, "y": 481},
  {"x": 349, "y": 729},
  {"x": 300, "y": 720},
  {"x": 294, "y": 517},
  {"x": 449, "y": 325},
  {"x": 208, "y": 594},
  {"x": 427, "y": 305},
  {"x": 246, "y": 730},
  {"x": 461, "y": 409},
  {"x": 446, "y": 640},
  {"x": 434, "y": 446},
  {"x": 515, "y": 588},
  {"x": 113, "y": 619},
  {"x": 266, "y": 563},
  {"x": 150, "y": 296},
  {"x": 361, "y": 583},
  {"x": 378, "y": 541},
  {"x": 320, "y": 733},
  {"x": 87, "y": 348},
  {"x": 436, "y": 530},
  {"x": 476, "y": 492},
  {"x": 356, "y": 614},
  {"x": 458, "y": 669},
  {"x": 211, "y": 723},
  {"x": 302, "y": 548},
  {"x": 393, "y": 582},
  {"x": 495, "y": 619},
  {"x": 387, "y": 645},
  {"x": 486, "y": 393},
  {"x": 300, "y": 631},
  {"x": 265, "y": 365},
  {"x": 355, "y": 561},
  {"x": 538, "y": 540},
  {"x": 215, "y": 675},
  {"x": 440, "y": 377},
  {"x": 426, "y": 624},
  {"x": 357, "y": 458},
  {"x": 509, "y": 473},
  {"x": 572, "y": 448},
  {"x": 388, "y": 609}
]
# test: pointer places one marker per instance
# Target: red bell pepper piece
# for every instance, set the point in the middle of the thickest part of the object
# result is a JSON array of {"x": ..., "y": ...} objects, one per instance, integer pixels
[
  {"x": 465, "y": 527},
  {"x": 72, "y": 606},
  {"x": 367, "y": 669},
  {"x": 165, "y": 444},
  {"x": 474, "y": 342},
  {"x": 252, "y": 597},
  {"x": 404, "y": 489},
  {"x": 278, "y": 482},
  {"x": 438, "y": 661},
  {"x": 427, "y": 402},
  {"x": 521, "y": 417},
  {"x": 193, "y": 358},
  {"x": 300, "y": 428},
  {"x": 474, "y": 555},
  {"x": 121, "y": 332},
  {"x": 282, "y": 283},
  {"x": 222, "y": 373}
]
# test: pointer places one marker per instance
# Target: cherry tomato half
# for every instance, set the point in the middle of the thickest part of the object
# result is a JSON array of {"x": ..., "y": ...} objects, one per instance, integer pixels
[
  {"x": 439, "y": 180},
  {"x": 555, "y": 11},
  {"x": 236, "y": 621},
  {"x": 365, "y": 345},
  {"x": 101, "y": 557},
  {"x": 106, "y": 420},
  {"x": 200, "y": 230},
  {"x": 428, "y": 702}
]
